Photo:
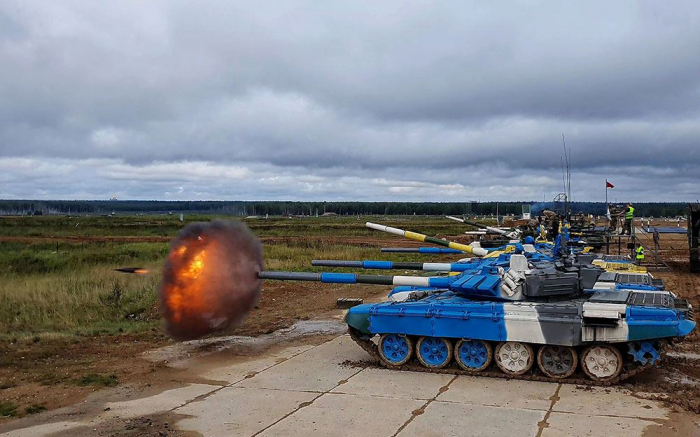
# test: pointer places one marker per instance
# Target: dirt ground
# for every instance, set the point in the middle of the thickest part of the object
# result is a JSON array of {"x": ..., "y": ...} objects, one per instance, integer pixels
[
  {"x": 677, "y": 380},
  {"x": 55, "y": 372},
  {"x": 49, "y": 373}
]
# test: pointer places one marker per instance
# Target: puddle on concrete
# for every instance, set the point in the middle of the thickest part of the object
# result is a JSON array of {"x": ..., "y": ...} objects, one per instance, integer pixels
[{"x": 182, "y": 351}]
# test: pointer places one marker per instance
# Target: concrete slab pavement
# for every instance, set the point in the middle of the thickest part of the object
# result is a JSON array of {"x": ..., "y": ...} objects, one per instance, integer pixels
[
  {"x": 335, "y": 415},
  {"x": 598, "y": 401},
  {"x": 237, "y": 372},
  {"x": 492, "y": 392},
  {"x": 241, "y": 411},
  {"x": 311, "y": 390},
  {"x": 318, "y": 370},
  {"x": 580, "y": 425},
  {"x": 388, "y": 383},
  {"x": 446, "y": 419}
]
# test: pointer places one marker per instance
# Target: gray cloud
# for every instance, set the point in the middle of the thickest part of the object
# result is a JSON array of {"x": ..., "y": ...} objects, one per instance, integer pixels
[{"x": 306, "y": 100}]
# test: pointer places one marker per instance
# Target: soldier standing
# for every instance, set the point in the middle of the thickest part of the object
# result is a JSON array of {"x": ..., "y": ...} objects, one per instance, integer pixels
[
  {"x": 655, "y": 235},
  {"x": 640, "y": 253},
  {"x": 555, "y": 227},
  {"x": 629, "y": 219}
]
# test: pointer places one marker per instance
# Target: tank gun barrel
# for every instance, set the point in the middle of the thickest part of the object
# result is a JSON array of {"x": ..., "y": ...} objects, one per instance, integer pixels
[
  {"x": 469, "y": 283},
  {"x": 391, "y": 265},
  {"x": 509, "y": 234},
  {"x": 425, "y": 250},
  {"x": 457, "y": 219},
  {"x": 352, "y": 278},
  {"x": 468, "y": 222},
  {"x": 477, "y": 251}
]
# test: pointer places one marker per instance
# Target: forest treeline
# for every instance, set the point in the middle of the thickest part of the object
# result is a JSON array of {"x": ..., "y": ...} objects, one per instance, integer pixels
[{"x": 247, "y": 208}]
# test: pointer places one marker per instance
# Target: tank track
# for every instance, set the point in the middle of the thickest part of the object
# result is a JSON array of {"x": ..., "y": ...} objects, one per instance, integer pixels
[{"x": 578, "y": 378}]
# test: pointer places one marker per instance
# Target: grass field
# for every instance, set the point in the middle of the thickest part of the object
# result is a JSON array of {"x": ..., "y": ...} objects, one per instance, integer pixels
[{"x": 56, "y": 272}]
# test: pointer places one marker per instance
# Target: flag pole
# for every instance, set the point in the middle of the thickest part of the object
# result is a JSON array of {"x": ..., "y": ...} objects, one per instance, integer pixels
[
  {"x": 606, "y": 193},
  {"x": 607, "y": 205}
]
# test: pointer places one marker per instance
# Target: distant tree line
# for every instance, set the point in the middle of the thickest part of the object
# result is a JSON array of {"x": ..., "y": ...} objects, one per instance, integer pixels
[{"x": 247, "y": 208}]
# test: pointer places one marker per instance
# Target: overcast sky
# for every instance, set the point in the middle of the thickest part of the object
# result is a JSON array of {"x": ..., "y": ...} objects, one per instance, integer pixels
[{"x": 406, "y": 101}]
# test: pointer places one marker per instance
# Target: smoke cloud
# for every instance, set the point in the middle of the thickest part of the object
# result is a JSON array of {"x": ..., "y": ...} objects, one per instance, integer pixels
[{"x": 210, "y": 280}]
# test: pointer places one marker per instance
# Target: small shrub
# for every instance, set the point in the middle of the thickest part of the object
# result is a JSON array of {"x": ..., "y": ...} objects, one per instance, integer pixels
[
  {"x": 96, "y": 379},
  {"x": 34, "y": 408},
  {"x": 113, "y": 298},
  {"x": 7, "y": 408}
]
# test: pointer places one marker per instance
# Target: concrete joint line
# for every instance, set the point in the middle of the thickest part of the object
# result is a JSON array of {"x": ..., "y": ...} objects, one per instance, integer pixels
[
  {"x": 198, "y": 398},
  {"x": 421, "y": 410},
  {"x": 545, "y": 421},
  {"x": 476, "y": 404},
  {"x": 304, "y": 404},
  {"x": 612, "y": 416}
]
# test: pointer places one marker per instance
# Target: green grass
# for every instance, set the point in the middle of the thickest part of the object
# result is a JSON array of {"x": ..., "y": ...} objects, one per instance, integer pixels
[
  {"x": 70, "y": 288},
  {"x": 7, "y": 408},
  {"x": 88, "y": 297},
  {"x": 34, "y": 409},
  {"x": 98, "y": 380},
  {"x": 25, "y": 258},
  {"x": 168, "y": 226}
]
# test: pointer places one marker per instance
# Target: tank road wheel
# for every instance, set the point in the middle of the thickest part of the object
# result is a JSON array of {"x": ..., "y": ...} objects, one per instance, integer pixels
[
  {"x": 395, "y": 349},
  {"x": 514, "y": 358},
  {"x": 434, "y": 352},
  {"x": 557, "y": 361},
  {"x": 473, "y": 355},
  {"x": 601, "y": 362}
]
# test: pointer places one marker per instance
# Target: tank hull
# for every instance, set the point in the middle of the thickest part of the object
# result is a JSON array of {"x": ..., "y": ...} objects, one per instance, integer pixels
[{"x": 566, "y": 323}]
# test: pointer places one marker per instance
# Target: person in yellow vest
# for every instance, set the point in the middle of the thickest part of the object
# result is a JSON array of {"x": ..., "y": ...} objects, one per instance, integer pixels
[
  {"x": 629, "y": 218},
  {"x": 640, "y": 253}
]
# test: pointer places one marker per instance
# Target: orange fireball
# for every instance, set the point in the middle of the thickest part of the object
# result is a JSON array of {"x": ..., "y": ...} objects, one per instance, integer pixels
[
  {"x": 210, "y": 278},
  {"x": 184, "y": 294}
]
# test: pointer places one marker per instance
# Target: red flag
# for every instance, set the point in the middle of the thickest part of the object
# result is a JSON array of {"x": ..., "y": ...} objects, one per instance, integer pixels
[{"x": 608, "y": 184}]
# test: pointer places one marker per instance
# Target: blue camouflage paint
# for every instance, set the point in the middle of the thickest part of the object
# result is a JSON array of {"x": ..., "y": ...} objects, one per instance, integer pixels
[
  {"x": 640, "y": 287},
  {"x": 685, "y": 327},
  {"x": 445, "y": 315},
  {"x": 441, "y": 281},
  {"x": 651, "y": 322}
]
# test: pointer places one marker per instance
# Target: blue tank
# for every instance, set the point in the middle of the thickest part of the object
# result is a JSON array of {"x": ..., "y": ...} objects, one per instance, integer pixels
[{"x": 523, "y": 311}]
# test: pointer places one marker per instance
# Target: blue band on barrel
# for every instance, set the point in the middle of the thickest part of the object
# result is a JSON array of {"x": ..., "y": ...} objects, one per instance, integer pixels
[
  {"x": 378, "y": 264},
  {"x": 338, "y": 278},
  {"x": 437, "y": 250}
]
